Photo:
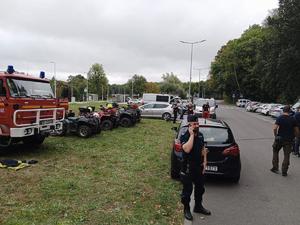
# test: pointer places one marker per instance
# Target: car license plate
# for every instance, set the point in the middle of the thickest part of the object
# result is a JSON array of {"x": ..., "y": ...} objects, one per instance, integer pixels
[
  {"x": 211, "y": 168},
  {"x": 45, "y": 122}
]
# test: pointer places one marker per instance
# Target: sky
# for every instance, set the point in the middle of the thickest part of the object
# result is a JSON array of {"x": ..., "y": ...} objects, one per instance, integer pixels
[{"x": 127, "y": 37}]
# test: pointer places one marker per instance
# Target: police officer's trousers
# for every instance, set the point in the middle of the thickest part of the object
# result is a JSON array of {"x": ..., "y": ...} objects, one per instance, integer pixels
[
  {"x": 195, "y": 177},
  {"x": 287, "y": 149}
]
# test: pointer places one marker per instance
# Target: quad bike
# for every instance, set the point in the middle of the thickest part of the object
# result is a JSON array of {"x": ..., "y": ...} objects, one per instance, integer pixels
[{"x": 84, "y": 125}]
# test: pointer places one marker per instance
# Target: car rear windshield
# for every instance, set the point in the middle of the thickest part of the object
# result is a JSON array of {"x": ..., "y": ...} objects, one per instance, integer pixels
[
  {"x": 212, "y": 135},
  {"x": 201, "y": 102},
  {"x": 216, "y": 135}
]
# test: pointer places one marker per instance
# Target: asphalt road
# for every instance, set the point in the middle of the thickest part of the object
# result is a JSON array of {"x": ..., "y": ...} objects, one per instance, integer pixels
[{"x": 261, "y": 197}]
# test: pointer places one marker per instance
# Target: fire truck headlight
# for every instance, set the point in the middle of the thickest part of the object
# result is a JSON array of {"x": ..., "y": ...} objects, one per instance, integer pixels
[
  {"x": 57, "y": 126},
  {"x": 28, "y": 131}
]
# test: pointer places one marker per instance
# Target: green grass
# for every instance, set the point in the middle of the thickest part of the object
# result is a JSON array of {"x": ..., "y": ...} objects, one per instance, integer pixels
[{"x": 117, "y": 177}]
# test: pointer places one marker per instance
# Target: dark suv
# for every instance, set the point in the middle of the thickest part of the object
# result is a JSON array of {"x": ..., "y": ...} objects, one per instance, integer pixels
[{"x": 223, "y": 156}]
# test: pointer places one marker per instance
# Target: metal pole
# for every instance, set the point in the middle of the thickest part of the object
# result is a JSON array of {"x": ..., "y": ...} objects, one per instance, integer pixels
[
  {"x": 87, "y": 87},
  {"x": 192, "y": 45},
  {"x": 132, "y": 88},
  {"x": 54, "y": 73}
]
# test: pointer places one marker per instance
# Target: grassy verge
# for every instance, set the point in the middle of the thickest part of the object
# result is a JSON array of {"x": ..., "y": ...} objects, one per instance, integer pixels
[{"x": 117, "y": 177}]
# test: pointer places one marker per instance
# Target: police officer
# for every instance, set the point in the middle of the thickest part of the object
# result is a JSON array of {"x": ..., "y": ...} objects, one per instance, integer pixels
[
  {"x": 175, "y": 110},
  {"x": 193, "y": 167},
  {"x": 190, "y": 109},
  {"x": 284, "y": 130},
  {"x": 297, "y": 139}
]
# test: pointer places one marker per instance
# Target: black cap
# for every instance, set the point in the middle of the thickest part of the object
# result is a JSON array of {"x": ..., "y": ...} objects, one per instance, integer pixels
[
  {"x": 192, "y": 118},
  {"x": 286, "y": 109}
]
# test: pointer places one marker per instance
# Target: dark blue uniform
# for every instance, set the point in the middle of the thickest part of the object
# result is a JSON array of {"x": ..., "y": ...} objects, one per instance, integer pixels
[
  {"x": 284, "y": 139},
  {"x": 191, "y": 170}
]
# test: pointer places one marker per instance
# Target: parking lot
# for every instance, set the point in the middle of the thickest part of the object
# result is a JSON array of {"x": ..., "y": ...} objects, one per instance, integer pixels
[{"x": 261, "y": 197}]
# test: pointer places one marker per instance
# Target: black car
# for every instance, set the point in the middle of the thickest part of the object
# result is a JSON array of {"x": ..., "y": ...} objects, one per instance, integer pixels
[{"x": 223, "y": 158}]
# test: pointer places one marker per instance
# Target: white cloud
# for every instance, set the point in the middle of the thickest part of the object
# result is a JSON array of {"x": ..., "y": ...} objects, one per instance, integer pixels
[{"x": 127, "y": 37}]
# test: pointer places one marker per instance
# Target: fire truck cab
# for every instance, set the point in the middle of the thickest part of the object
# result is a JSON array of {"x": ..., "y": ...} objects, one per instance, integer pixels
[{"x": 28, "y": 109}]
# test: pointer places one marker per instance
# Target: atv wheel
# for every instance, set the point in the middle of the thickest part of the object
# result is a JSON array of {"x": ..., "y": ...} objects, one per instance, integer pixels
[
  {"x": 84, "y": 131},
  {"x": 106, "y": 125},
  {"x": 125, "y": 122},
  {"x": 166, "y": 116}
]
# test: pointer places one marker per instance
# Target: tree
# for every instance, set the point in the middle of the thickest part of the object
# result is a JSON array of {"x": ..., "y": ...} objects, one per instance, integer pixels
[
  {"x": 98, "y": 82},
  {"x": 152, "y": 87},
  {"x": 138, "y": 82},
  {"x": 171, "y": 84},
  {"x": 77, "y": 85}
]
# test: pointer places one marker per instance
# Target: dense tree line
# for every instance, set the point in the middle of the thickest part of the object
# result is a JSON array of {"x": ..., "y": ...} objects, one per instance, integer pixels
[{"x": 264, "y": 63}]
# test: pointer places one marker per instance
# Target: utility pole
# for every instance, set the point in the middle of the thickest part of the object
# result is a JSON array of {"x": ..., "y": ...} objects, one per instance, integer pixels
[
  {"x": 132, "y": 88},
  {"x": 191, "y": 65}
]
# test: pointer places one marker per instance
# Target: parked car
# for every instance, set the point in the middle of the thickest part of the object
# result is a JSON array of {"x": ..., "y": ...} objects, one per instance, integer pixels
[
  {"x": 295, "y": 106},
  {"x": 276, "y": 111},
  {"x": 251, "y": 105},
  {"x": 157, "y": 109},
  {"x": 259, "y": 108},
  {"x": 242, "y": 102},
  {"x": 199, "y": 102},
  {"x": 223, "y": 158},
  {"x": 266, "y": 109}
]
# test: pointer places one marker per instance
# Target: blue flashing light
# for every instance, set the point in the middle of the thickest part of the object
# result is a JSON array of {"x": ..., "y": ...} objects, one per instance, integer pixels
[
  {"x": 42, "y": 74},
  {"x": 10, "y": 69}
]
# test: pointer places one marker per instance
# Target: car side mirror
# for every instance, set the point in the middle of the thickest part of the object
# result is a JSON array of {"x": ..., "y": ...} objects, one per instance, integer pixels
[{"x": 174, "y": 128}]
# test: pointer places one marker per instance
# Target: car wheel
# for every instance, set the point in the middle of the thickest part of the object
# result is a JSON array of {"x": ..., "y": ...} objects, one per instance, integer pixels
[
  {"x": 106, "y": 125},
  {"x": 84, "y": 131},
  {"x": 35, "y": 140},
  {"x": 175, "y": 168},
  {"x": 166, "y": 116},
  {"x": 235, "y": 179},
  {"x": 125, "y": 122}
]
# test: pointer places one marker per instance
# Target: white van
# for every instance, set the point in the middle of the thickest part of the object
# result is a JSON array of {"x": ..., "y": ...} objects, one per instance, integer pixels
[
  {"x": 242, "y": 102},
  {"x": 149, "y": 97}
]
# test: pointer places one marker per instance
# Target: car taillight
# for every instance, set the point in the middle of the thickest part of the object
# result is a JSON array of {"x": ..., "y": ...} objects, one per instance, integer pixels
[
  {"x": 233, "y": 150},
  {"x": 177, "y": 146}
]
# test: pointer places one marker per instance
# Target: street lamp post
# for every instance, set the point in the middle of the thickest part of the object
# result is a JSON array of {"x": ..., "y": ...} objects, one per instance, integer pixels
[
  {"x": 54, "y": 72},
  {"x": 191, "y": 65},
  {"x": 87, "y": 87},
  {"x": 132, "y": 88},
  {"x": 199, "y": 69}
]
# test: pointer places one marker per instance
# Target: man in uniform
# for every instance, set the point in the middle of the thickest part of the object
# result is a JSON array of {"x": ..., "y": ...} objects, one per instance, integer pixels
[
  {"x": 190, "y": 108},
  {"x": 297, "y": 139},
  {"x": 284, "y": 131},
  {"x": 193, "y": 167},
  {"x": 175, "y": 110}
]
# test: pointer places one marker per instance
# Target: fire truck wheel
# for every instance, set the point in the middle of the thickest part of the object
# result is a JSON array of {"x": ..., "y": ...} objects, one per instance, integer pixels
[
  {"x": 84, "y": 131},
  {"x": 106, "y": 125},
  {"x": 34, "y": 140}
]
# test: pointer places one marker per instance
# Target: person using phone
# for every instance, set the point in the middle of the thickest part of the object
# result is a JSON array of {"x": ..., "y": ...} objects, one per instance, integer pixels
[{"x": 193, "y": 168}]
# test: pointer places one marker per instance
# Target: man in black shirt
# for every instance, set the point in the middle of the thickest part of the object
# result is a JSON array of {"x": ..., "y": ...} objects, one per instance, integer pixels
[
  {"x": 297, "y": 139},
  {"x": 175, "y": 110},
  {"x": 190, "y": 108},
  {"x": 193, "y": 167},
  {"x": 284, "y": 131}
]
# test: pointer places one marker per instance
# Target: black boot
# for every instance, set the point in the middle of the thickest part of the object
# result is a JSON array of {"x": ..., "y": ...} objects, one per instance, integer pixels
[
  {"x": 200, "y": 209},
  {"x": 187, "y": 213}
]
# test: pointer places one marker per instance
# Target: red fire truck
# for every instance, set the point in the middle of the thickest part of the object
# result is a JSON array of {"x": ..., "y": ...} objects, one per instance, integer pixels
[{"x": 28, "y": 109}]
